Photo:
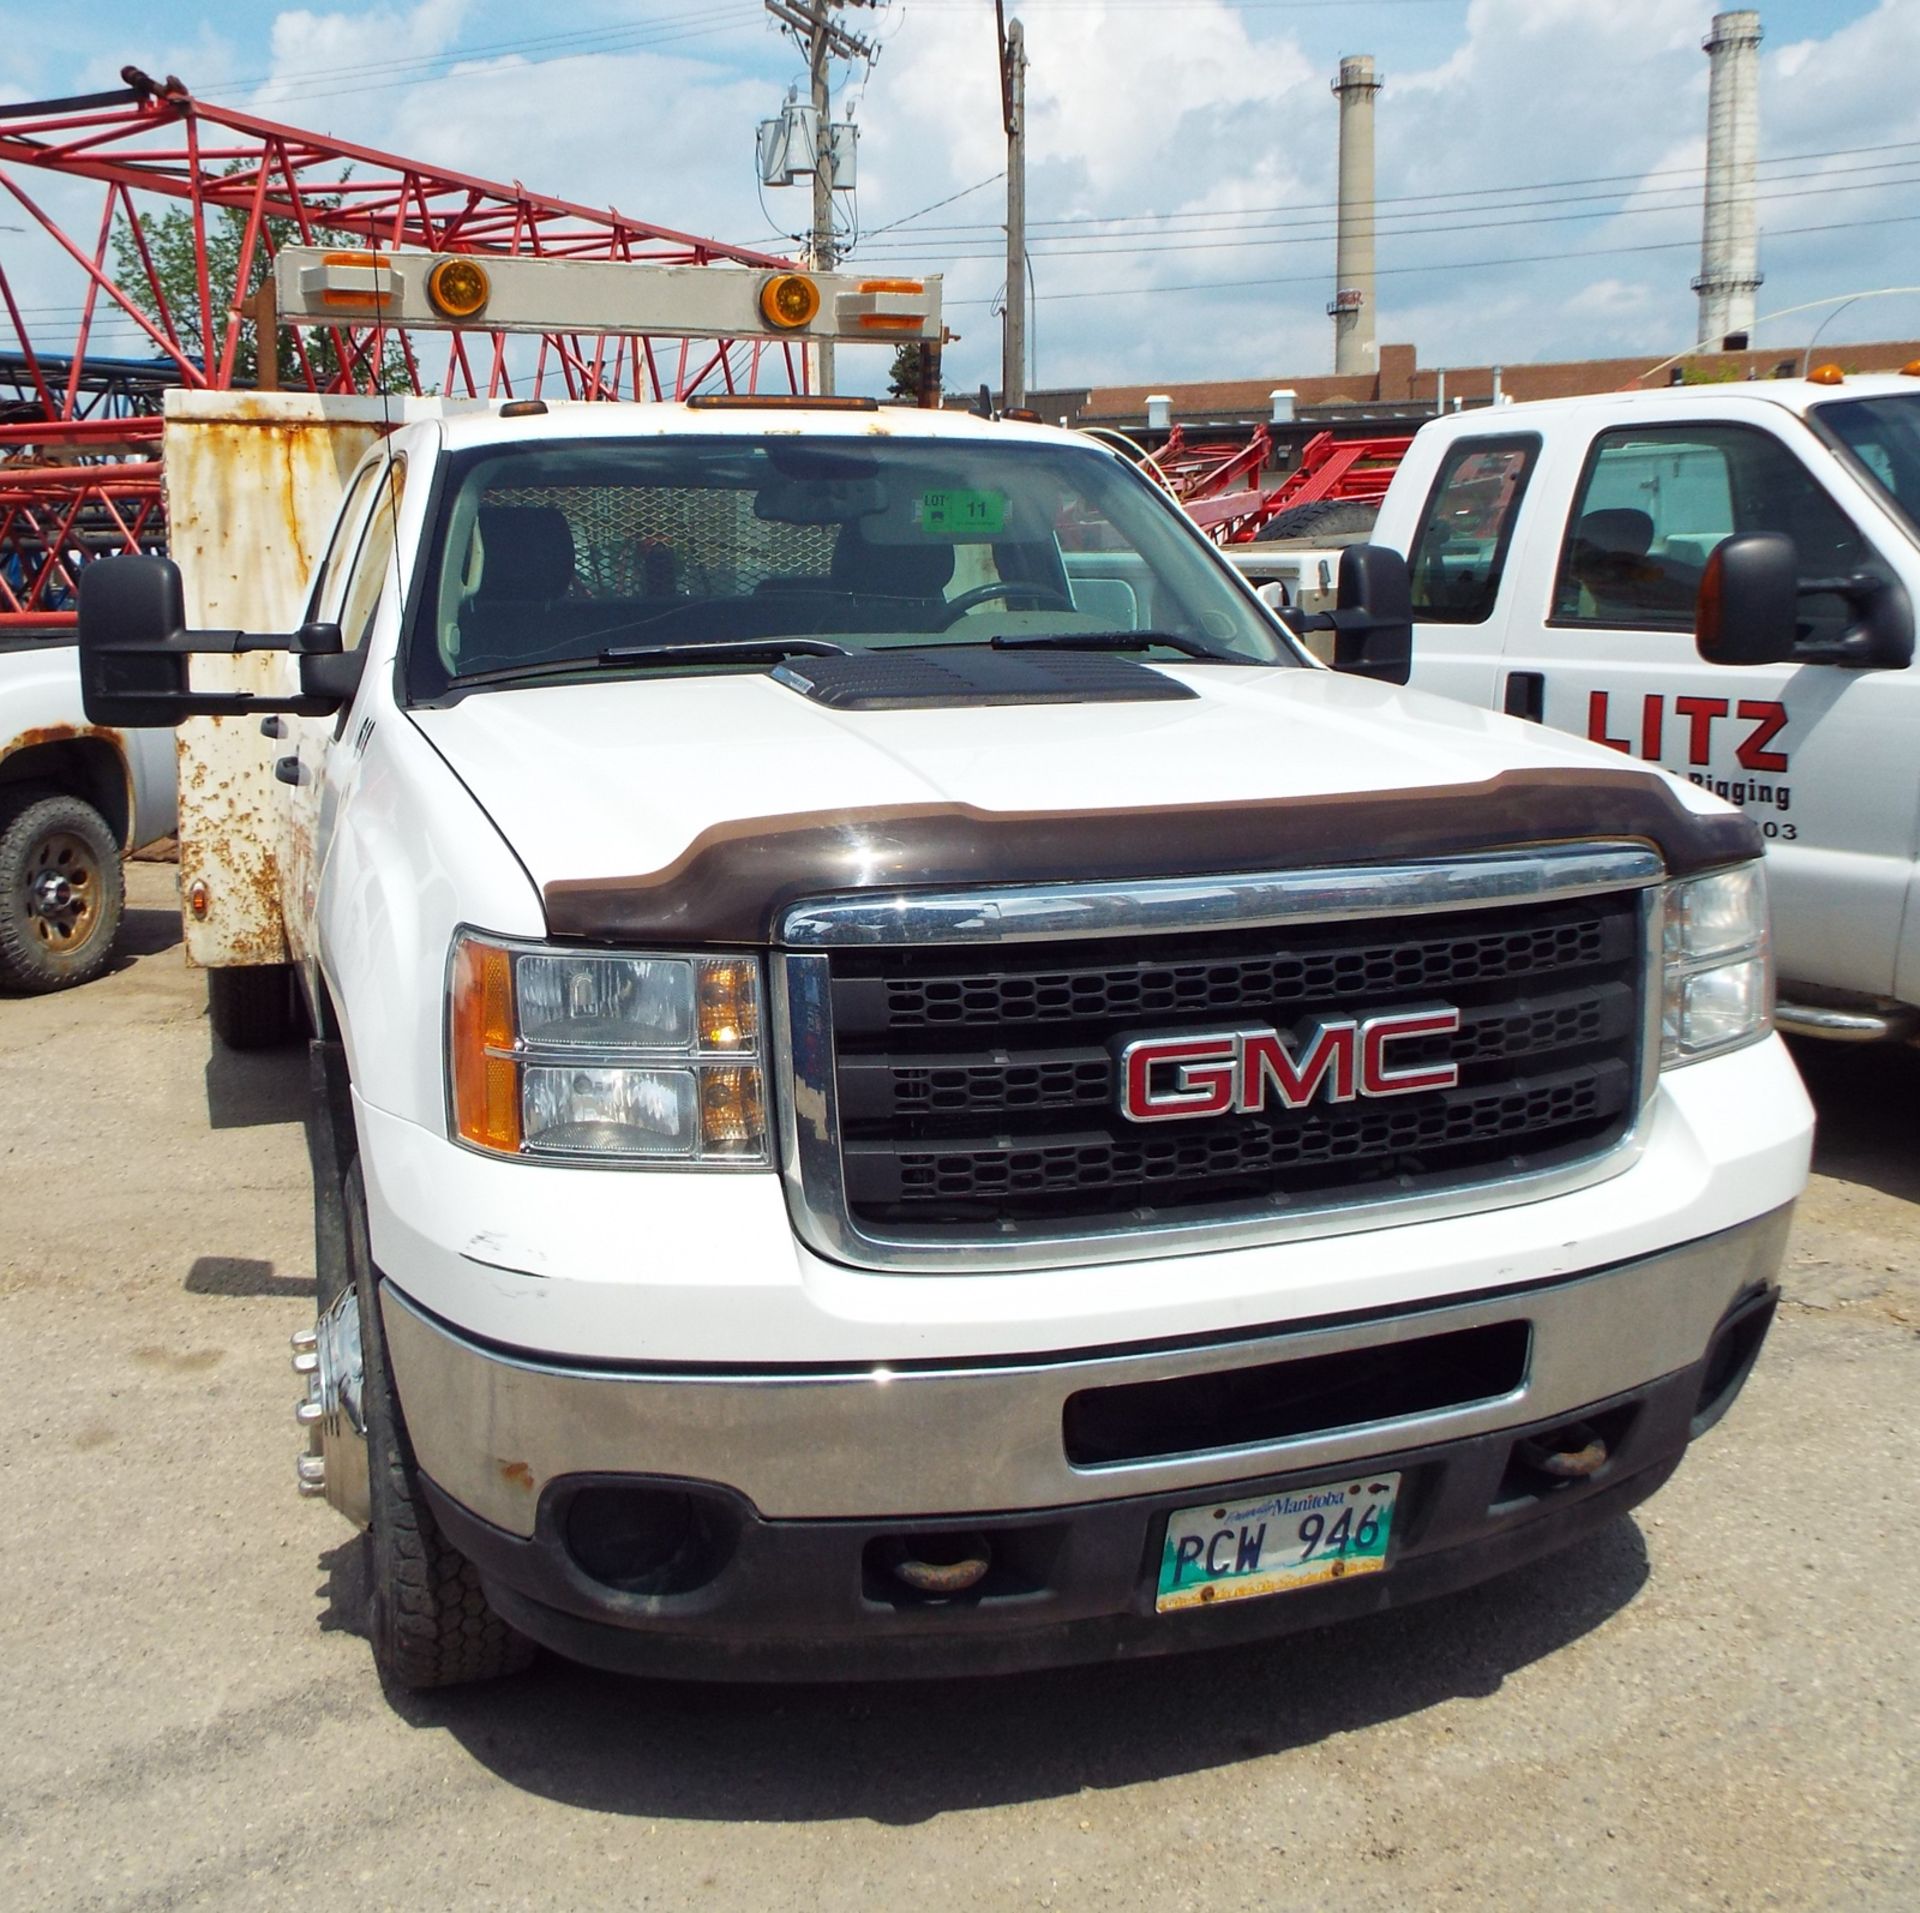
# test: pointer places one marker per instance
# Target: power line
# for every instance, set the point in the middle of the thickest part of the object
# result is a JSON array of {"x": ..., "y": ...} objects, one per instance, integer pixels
[
  {"x": 632, "y": 41},
  {"x": 979, "y": 185},
  {"x": 1448, "y": 265},
  {"x": 1316, "y": 210},
  {"x": 1065, "y": 251},
  {"x": 576, "y": 39}
]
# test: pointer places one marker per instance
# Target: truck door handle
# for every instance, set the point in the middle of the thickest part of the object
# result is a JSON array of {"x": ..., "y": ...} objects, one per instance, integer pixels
[
  {"x": 1526, "y": 695},
  {"x": 273, "y": 727},
  {"x": 289, "y": 770}
]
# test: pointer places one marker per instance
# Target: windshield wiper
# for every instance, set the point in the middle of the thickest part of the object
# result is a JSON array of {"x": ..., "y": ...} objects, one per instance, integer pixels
[
  {"x": 1113, "y": 641},
  {"x": 720, "y": 651},
  {"x": 727, "y": 650}
]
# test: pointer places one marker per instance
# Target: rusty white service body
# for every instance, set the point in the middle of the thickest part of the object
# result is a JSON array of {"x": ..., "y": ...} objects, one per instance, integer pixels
[{"x": 549, "y": 1319}]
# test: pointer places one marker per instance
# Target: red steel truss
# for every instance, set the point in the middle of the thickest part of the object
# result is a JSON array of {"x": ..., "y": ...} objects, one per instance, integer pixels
[
  {"x": 79, "y": 438},
  {"x": 1329, "y": 467}
]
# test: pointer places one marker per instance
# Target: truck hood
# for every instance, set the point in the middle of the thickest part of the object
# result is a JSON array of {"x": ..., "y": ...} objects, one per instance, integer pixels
[{"x": 601, "y": 780}]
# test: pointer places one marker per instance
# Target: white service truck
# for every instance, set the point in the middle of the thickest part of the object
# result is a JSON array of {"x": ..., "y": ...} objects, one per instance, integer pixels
[
  {"x": 903, "y": 1082},
  {"x": 75, "y": 799},
  {"x": 1562, "y": 554}
]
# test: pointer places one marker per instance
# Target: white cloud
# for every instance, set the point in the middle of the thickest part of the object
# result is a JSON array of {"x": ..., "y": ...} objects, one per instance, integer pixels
[{"x": 1203, "y": 112}]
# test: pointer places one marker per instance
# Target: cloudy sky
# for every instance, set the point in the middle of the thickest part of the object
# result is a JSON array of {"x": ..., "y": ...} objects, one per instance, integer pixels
[{"x": 1538, "y": 160}]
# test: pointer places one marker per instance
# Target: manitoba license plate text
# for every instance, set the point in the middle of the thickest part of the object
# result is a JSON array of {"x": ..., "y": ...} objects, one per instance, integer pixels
[{"x": 1298, "y": 1538}]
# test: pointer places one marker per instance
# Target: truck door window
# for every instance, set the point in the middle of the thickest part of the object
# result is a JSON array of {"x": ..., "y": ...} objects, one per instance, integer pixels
[
  {"x": 1655, "y": 502},
  {"x": 324, "y": 601},
  {"x": 1461, "y": 545},
  {"x": 374, "y": 559}
]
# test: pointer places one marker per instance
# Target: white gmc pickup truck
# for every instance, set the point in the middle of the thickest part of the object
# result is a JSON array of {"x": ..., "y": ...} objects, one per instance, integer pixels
[
  {"x": 1561, "y": 554},
  {"x": 905, "y": 1083}
]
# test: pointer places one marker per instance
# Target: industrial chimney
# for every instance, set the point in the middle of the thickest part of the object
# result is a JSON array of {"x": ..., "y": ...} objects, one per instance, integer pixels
[
  {"x": 1351, "y": 308},
  {"x": 1729, "y": 253}
]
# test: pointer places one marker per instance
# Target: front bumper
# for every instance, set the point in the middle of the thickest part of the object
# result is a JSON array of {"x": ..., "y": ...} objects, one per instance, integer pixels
[{"x": 805, "y": 1478}]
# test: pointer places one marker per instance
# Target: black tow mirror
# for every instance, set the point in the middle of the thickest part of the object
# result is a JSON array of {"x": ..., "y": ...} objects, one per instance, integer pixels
[
  {"x": 1747, "y": 611},
  {"x": 1372, "y": 618},
  {"x": 135, "y": 651}
]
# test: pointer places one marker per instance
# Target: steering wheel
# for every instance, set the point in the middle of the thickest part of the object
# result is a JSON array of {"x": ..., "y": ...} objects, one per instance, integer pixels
[{"x": 957, "y": 608}]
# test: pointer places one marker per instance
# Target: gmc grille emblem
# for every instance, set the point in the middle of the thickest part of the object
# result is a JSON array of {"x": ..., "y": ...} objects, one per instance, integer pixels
[{"x": 1166, "y": 1079}]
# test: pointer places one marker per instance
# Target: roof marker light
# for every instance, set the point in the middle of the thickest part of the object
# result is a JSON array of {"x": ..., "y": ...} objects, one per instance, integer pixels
[
  {"x": 789, "y": 300},
  {"x": 1826, "y": 375},
  {"x": 457, "y": 288}
]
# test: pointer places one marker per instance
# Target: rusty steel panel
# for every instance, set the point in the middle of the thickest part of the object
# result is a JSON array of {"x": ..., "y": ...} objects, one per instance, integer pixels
[{"x": 253, "y": 482}]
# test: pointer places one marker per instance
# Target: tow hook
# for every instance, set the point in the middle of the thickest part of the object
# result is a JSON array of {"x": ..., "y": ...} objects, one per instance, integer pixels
[
  {"x": 941, "y": 1565},
  {"x": 1572, "y": 1453}
]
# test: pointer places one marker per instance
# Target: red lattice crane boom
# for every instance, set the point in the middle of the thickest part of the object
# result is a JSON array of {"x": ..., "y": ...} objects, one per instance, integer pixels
[{"x": 80, "y": 429}]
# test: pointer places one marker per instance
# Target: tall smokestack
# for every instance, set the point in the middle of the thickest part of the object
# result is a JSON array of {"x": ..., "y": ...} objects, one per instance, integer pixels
[
  {"x": 1729, "y": 252},
  {"x": 1351, "y": 308}
]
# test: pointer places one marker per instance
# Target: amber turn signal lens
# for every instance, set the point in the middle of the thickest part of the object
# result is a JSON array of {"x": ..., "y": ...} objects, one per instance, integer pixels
[
  {"x": 732, "y": 1113},
  {"x": 486, "y": 1080},
  {"x": 729, "y": 1000},
  {"x": 789, "y": 299},
  {"x": 457, "y": 288}
]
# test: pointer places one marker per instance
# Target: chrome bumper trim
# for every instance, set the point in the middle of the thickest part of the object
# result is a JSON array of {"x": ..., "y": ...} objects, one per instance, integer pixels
[
  {"x": 493, "y": 1429},
  {"x": 1030, "y": 913},
  {"x": 1845, "y": 1026}
]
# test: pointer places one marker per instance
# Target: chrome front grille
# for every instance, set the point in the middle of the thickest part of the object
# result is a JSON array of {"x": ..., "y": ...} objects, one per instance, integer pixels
[{"x": 957, "y": 1101}]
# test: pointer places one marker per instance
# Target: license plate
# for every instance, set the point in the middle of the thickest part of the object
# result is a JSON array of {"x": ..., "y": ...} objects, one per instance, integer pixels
[{"x": 1298, "y": 1538}]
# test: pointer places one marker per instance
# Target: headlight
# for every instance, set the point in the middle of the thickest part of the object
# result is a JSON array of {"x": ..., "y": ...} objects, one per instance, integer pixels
[
  {"x": 629, "y": 1058},
  {"x": 1719, "y": 969}
]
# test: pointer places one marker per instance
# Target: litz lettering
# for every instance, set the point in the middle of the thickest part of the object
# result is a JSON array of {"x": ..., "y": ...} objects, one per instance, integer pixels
[{"x": 1176, "y": 1078}]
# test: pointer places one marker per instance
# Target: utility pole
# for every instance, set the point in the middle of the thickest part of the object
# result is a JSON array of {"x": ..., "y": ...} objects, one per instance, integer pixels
[
  {"x": 822, "y": 39},
  {"x": 1013, "y": 114}
]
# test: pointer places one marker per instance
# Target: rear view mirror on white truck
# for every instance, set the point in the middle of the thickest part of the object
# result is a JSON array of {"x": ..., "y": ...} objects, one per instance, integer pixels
[
  {"x": 1372, "y": 618},
  {"x": 134, "y": 652},
  {"x": 1748, "y": 611}
]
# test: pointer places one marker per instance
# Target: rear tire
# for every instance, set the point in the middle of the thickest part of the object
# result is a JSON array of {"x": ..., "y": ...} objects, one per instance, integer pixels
[
  {"x": 1325, "y": 518},
  {"x": 429, "y": 1618},
  {"x": 62, "y": 891},
  {"x": 252, "y": 1008}
]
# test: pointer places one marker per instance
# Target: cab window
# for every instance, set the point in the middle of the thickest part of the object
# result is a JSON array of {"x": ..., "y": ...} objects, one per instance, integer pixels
[
  {"x": 1461, "y": 546},
  {"x": 1654, "y": 503},
  {"x": 374, "y": 560},
  {"x": 323, "y": 605}
]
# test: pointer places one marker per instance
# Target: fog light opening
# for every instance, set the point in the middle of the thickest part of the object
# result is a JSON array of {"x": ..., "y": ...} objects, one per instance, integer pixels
[{"x": 645, "y": 1540}]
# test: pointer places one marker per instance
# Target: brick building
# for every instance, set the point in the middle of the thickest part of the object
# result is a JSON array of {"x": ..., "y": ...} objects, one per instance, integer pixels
[{"x": 1404, "y": 390}]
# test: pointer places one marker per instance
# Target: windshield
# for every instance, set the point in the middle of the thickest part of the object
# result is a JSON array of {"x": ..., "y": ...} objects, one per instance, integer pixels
[
  {"x": 577, "y": 553},
  {"x": 1882, "y": 437}
]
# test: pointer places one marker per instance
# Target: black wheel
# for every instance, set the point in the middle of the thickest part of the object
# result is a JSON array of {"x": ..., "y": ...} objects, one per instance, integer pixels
[
  {"x": 61, "y": 891},
  {"x": 1325, "y": 518},
  {"x": 428, "y": 1615},
  {"x": 252, "y": 1008}
]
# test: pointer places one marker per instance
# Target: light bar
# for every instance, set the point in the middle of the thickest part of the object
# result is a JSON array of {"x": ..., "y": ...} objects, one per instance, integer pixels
[{"x": 499, "y": 292}]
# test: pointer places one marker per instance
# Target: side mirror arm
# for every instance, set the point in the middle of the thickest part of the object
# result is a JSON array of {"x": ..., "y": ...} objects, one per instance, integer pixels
[{"x": 1881, "y": 639}]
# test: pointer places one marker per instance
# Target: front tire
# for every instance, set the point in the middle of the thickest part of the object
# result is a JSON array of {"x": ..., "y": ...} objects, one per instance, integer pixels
[
  {"x": 429, "y": 1618},
  {"x": 62, "y": 891}
]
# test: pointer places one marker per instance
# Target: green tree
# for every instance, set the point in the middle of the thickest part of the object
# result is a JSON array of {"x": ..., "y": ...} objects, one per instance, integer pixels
[
  {"x": 903, "y": 380},
  {"x": 169, "y": 243}
]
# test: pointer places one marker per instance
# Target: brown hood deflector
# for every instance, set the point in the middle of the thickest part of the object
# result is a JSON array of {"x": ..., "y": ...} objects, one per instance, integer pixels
[{"x": 733, "y": 882}]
